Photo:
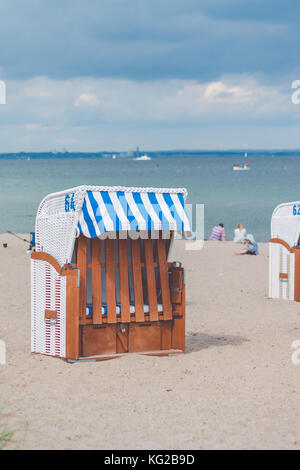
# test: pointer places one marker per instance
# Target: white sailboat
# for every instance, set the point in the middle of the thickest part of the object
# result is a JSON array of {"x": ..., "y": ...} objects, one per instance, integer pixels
[{"x": 243, "y": 167}]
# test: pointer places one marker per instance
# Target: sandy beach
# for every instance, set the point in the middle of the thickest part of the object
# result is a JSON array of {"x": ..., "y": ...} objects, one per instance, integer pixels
[{"x": 235, "y": 388}]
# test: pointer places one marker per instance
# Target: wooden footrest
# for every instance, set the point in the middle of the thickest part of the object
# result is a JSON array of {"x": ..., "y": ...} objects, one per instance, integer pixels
[{"x": 106, "y": 357}]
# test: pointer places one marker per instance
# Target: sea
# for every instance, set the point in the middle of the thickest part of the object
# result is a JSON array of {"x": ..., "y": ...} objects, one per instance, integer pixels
[{"x": 230, "y": 197}]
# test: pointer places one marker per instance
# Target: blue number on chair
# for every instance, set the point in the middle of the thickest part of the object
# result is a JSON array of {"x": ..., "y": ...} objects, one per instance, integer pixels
[
  {"x": 70, "y": 202},
  {"x": 296, "y": 209},
  {"x": 67, "y": 203}
]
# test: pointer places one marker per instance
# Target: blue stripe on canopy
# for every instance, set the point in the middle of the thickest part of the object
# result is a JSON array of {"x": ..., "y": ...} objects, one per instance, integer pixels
[
  {"x": 127, "y": 210},
  {"x": 105, "y": 211},
  {"x": 96, "y": 213},
  {"x": 88, "y": 221},
  {"x": 157, "y": 208},
  {"x": 145, "y": 214}
]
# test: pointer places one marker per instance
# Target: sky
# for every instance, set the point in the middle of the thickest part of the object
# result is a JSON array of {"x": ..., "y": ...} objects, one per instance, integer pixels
[{"x": 96, "y": 75}]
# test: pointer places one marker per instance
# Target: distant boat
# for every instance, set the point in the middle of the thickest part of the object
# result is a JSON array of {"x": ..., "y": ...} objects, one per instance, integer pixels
[
  {"x": 243, "y": 167},
  {"x": 114, "y": 156},
  {"x": 238, "y": 167},
  {"x": 143, "y": 157}
]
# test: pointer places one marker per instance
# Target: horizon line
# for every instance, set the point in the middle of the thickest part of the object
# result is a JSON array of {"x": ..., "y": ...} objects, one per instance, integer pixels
[{"x": 55, "y": 152}]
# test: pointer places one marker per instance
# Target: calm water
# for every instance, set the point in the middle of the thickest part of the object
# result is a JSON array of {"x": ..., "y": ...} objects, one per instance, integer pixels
[{"x": 229, "y": 197}]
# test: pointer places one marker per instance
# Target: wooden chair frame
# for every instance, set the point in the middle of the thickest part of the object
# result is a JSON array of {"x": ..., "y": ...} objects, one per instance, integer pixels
[
  {"x": 296, "y": 273},
  {"x": 99, "y": 335}
]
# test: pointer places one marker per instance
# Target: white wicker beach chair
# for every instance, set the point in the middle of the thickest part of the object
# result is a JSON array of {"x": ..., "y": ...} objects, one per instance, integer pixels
[
  {"x": 101, "y": 282},
  {"x": 284, "y": 252}
]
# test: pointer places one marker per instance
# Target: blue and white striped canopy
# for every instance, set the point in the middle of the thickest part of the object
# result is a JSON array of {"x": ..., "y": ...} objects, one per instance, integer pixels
[{"x": 106, "y": 211}]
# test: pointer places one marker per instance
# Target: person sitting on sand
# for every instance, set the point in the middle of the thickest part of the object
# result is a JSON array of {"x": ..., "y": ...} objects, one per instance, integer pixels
[
  {"x": 251, "y": 248},
  {"x": 218, "y": 233},
  {"x": 239, "y": 234}
]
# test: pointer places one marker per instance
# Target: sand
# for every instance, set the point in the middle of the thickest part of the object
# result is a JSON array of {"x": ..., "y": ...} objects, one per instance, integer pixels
[{"x": 235, "y": 388}]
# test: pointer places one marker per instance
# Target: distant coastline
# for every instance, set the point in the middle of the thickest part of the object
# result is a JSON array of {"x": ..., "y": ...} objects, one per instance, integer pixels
[{"x": 152, "y": 154}]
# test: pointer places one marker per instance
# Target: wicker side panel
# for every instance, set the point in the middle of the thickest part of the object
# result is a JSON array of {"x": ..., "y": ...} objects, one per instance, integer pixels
[
  {"x": 56, "y": 225},
  {"x": 55, "y": 235},
  {"x": 48, "y": 292}
]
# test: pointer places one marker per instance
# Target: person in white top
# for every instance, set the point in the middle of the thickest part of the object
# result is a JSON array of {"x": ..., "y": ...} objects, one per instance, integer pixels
[{"x": 239, "y": 234}]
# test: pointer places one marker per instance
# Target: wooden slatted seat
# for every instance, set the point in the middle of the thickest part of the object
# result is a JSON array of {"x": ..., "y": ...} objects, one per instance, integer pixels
[{"x": 132, "y": 278}]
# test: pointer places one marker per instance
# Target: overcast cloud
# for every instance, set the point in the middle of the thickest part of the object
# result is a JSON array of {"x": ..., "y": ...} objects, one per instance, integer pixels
[{"x": 113, "y": 74}]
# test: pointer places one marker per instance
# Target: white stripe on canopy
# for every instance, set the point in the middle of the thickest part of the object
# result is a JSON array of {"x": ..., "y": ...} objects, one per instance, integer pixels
[
  {"x": 166, "y": 211},
  {"x": 109, "y": 225},
  {"x": 119, "y": 210},
  {"x": 151, "y": 211},
  {"x": 181, "y": 212},
  {"x": 142, "y": 223}
]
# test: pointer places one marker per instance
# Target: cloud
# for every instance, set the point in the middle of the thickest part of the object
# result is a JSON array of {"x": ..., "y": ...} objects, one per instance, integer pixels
[
  {"x": 86, "y": 99},
  {"x": 219, "y": 91},
  {"x": 35, "y": 127},
  {"x": 142, "y": 40},
  {"x": 159, "y": 74},
  {"x": 113, "y": 114},
  {"x": 65, "y": 142}
]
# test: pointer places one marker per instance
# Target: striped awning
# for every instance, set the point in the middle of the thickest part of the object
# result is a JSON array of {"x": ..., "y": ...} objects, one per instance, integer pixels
[{"x": 110, "y": 211}]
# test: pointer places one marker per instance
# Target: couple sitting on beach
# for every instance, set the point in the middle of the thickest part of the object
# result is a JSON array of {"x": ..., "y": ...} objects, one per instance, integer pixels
[
  {"x": 251, "y": 247},
  {"x": 240, "y": 236}
]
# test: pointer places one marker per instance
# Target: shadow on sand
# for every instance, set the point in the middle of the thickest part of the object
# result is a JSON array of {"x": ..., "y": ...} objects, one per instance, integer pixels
[{"x": 198, "y": 341}]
